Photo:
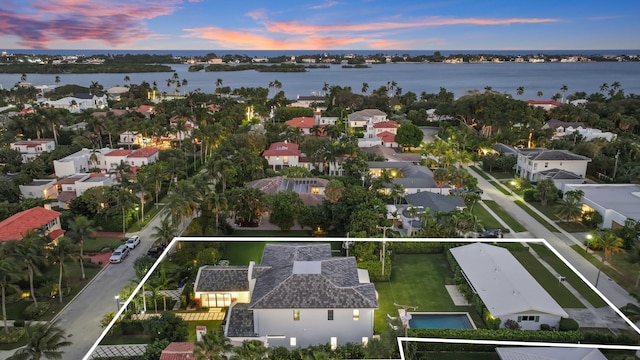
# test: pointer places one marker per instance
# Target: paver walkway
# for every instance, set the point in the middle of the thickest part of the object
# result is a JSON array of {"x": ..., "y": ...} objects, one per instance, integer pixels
[{"x": 456, "y": 296}]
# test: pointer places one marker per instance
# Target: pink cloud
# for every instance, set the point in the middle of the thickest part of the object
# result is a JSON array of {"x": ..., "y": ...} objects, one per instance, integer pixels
[{"x": 117, "y": 23}]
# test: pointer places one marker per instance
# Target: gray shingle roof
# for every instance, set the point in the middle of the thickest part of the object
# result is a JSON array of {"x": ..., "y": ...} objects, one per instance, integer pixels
[
  {"x": 435, "y": 202},
  {"x": 240, "y": 321},
  {"x": 504, "y": 149},
  {"x": 325, "y": 282},
  {"x": 545, "y": 154},
  {"x": 559, "y": 174},
  {"x": 223, "y": 278}
]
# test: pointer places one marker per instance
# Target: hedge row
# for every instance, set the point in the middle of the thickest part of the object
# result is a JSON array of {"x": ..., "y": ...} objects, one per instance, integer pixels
[
  {"x": 486, "y": 334},
  {"x": 375, "y": 269},
  {"x": 416, "y": 247}
]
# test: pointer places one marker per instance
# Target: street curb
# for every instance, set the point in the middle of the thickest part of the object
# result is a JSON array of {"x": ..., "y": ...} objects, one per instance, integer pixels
[{"x": 79, "y": 293}]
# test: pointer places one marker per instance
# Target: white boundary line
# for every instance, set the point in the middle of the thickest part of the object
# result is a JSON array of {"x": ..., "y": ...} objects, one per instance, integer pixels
[{"x": 400, "y": 339}]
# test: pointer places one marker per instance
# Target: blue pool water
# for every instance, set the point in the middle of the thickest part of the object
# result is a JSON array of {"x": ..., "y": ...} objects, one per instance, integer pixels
[{"x": 440, "y": 321}]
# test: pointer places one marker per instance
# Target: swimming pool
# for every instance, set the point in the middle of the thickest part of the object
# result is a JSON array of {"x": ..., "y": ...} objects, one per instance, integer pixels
[{"x": 441, "y": 321}]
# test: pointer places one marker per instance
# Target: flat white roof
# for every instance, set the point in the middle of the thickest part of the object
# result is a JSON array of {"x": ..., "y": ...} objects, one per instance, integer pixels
[
  {"x": 622, "y": 198},
  {"x": 502, "y": 283}
]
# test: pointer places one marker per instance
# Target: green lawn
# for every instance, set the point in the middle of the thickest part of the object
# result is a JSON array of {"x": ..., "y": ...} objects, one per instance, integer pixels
[
  {"x": 502, "y": 175},
  {"x": 241, "y": 252},
  {"x": 480, "y": 172},
  {"x": 500, "y": 187},
  {"x": 549, "y": 211},
  {"x": 72, "y": 272},
  {"x": 99, "y": 243},
  {"x": 513, "y": 223},
  {"x": 126, "y": 339},
  {"x": 486, "y": 219},
  {"x": 535, "y": 215},
  {"x": 570, "y": 276},
  {"x": 626, "y": 271},
  {"x": 550, "y": 283},
  {"x": 15, "y": 309},
  {"x": 417, "y": 280},
  {"x": 191, "y": 327}
]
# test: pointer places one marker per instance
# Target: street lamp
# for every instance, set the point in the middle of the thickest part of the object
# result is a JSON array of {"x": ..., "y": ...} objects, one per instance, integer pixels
[
  {"x": 588, "y": 242},
  {"x": 138, "y": 215},
  {"x": 117, "y": 297}
]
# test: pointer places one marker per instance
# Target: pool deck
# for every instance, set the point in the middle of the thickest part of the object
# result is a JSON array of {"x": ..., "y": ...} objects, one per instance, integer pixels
[{"x": 456, "y": 296}]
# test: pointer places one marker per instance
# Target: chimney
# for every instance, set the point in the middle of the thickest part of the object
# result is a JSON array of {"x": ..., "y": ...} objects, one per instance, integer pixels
[{"x": 250, "y": 272}]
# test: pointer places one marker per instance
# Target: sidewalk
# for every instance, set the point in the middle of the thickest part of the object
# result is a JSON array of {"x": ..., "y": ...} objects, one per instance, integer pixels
[{"x": 560, "y": 239}]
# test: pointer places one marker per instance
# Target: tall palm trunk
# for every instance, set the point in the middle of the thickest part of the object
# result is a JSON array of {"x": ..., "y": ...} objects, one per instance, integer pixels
[
  {"x": 4, "y": 312},
  {"x": 31, "y": 289},
  {"x": 60, "y": 281},
  {"x": 82, "y": 259}
]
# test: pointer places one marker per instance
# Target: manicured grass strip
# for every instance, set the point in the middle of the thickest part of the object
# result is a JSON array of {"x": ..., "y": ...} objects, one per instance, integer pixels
[
  {"x": 480, "y": 172},
  {"x": 241, "y": 252},
  {"x": 513, "y": 223},
  {"x": 99, "y": 243},
  {"x": 417, "y": 280},
  {"x": 486, "y": 219},
  {"x": 570, "y": 276},
  {"x": 550, "y": 283},
  {"x": 501, "y": 175},
  {"x": 535, "y": 215},
  {"x": 500, "y": 187},
  {"x": 625, "y": 281},
  {"x": 191, "y": 327}
]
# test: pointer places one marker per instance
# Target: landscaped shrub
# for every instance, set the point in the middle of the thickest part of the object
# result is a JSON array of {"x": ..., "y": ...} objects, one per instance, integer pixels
[
  {"x": 591, "y": 337},
  {"x": 375, "y": 269},
  {"x": 12, "y": 337},
  {"x": 486, "y": 334},
  {"x": 545, "y": 327},
  {"x": 492, "y": 323},
  {"x": 416, "y": 247},
  {"x": 530, "y": 195},
  {"x": 568, "y": 324},
  {"x": 512, "y": 324},
  {"x": 32, "y": 312},
  {"x": 131, "y": 327}
]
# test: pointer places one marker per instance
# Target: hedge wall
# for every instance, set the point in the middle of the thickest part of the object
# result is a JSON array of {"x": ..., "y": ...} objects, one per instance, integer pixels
[
  {"x": 416, "y": 247},
  {"x": 486, "y": 334},
  {"x": 375, "y": 269}
]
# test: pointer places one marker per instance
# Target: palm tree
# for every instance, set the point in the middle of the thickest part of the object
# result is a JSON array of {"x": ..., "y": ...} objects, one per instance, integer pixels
[
  {"x": 570, "y": 206},
  {"x": 216, "y": 203},
  {"x": 539, "y": 94},
  {"x": 81, "y": 229},
  {"x": 9, "y": 275},
  {"x": 23, "y": 77},
  {"x": 609, "y": 243},
  {"x": 564, "y": 88},
  {"x": 62, "y": 251},
  {"x": 124, "y": 202},
  {"x": 164, "y": 232},
  {"x": 31, "y": 251},
  {"x": 182, "y": 202},
  {"x": 126, "y": 79},
  {"x": 520, "y": 90},
  {"x": 44, "y": 341},
  {"x": 615, "y": 86},
  {"x": 441, "y": 178},
  {"x": 218, "y": 84},
  {"x": 604, "y": 87},
  {"x": 57, "y": 79},
  {"x": 250, "y": 350},
  {"x": 214, "y": 345},
  {"x": 365, "y": 87}
]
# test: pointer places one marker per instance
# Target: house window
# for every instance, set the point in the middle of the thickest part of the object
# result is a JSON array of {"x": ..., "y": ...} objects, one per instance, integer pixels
[
  {"x": 528, "y": 318},
  {"x": 546, "y": 164},
  {"x": 356, "y": 314},
  {"x": 535, "y": 166},
  {"x": 329, "y": 314},
  {"x": 334, "y": 342},
  {"x": 292, "y": 342},
  {"x": 296, "y": 315},
  {"x": 285, "y": 159}
]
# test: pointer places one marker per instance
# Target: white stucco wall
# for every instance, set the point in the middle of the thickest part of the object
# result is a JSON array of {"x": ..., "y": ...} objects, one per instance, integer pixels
[
  {"x": 313, "y": 326},
  {"x": 551, "y": 320}
]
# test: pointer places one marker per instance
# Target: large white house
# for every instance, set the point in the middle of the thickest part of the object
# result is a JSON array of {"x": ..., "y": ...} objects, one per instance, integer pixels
[
  {"x": 531, "y": 162},
  {"x": 615, "y": 202},
  {"x": 506, "y": 288},
  {"x": 30, "y": 149},
  {"x": 105, "y": 159},
  {"x": 298, "y": 295},
  {"x": 79, "y": 102}
]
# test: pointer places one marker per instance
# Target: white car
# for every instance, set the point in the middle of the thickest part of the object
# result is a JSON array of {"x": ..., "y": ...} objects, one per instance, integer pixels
[
  {"x": 119, "y": 254},
  {"x": 133, "y": 241}
]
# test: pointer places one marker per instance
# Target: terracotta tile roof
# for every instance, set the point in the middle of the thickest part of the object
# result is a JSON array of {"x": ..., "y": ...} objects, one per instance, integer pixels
[
  {"x": 66, "y": 196},
  {"x": 146, "y": 109},
  {"x": 282, "y": 149},
  {"x": 119, "y": 152},
  {"x": 143, "y": 153},
  {"x": 19, "y": 224},
  {"x": 301, "y": 122},
  {"x": 387, "y": 137},
  {"x": 390, "y": 124},
  {"x": 56, "y": 234},
  {"x": 178, "y": 351}
]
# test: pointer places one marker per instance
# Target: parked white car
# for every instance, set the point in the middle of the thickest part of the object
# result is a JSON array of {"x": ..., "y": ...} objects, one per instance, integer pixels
[
  {"x": 133, "y": 241},
  {"x": 119, "y": 254}
]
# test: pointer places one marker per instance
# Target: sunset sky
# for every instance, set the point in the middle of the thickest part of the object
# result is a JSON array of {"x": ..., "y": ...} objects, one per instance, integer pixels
[{"x": 319, "y": 25}]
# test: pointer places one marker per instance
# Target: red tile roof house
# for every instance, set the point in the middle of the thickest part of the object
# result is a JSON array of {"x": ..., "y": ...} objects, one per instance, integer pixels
[
  {"x": 282, "y": 154},
  {"x": 143, "y": 156},
  {"x": 178, "y": 351},
  {"x": 30, "y": 149},
  {"x": 17, "y": 226},
  {"x": 304, "y": 123}
]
